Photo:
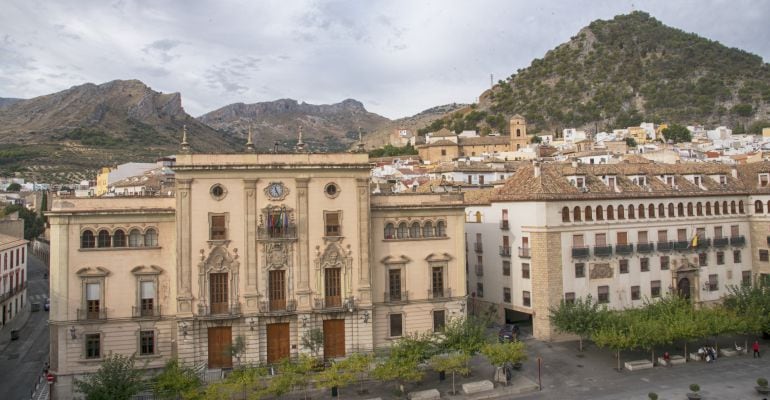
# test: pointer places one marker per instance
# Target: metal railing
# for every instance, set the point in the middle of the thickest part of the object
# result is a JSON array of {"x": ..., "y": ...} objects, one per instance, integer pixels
[
  {"x": 143, "y": 312},
  {"x": 665, "y": 246},
  {"x": 391, "y": 297},
  {"x": 580, "y": 252},
  {"x": 505, "y": 251},
  {"x": 219, "y": 310},
  {"x": 720, "y": 242},
  {"x": 703, "y": 243},
  {"x": 504, "y": 225},
  {"x": 439, "y": 293},
  {"x": 331, "y": 302},
  {"x": 86, "y": 315},
  {"x": 13, "y": 291},
  {"x": 645, "y": 247},
  {"x": 624, "y": 248},
  {"x": 277, "y": 306},
  {"x": 478, "y": 247},
  {"x": 524, "y": 252},
  {"x": 479, "y": 270},
  {"x": 739, "y": 240},
  {"x": 602, "y": 251},
  {"x": 682, "y": 245},
  {"x": 265, "y": 233}
]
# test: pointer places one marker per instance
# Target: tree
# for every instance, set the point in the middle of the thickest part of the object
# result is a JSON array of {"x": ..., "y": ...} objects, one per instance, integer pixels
[
  {"x": 312, "y": 340},
  {"x": 743, "y": 110},
  {"x": 631, "y": 142},
  {"x": 291, "y": 375},
  {"x": 454, "y": 363},
  {"x": 402, "y": 363},
  {"x": 466, "y": 335},
  {"x": 336, "y": 376},
  {"x": 613, "y": 334},
  {"x": 176, "y": 381},
  {"x": 581, "y": 317},
  {"x": 499, "y": 354},
  {"x": 358, "y": 364},
  {"x": 237, "y": 348},
  {"x": 752, "y": 304},
  {"x": 677, "y": 134},
  {"x": 116, "y": 379},
  {"x": 13, "y": 187}
]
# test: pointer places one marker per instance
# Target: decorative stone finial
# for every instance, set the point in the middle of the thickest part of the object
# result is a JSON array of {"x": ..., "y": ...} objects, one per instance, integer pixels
[
  {"x": 249, "y": 143},
  {"x": 360, "y": 144},
  {"x": 300, "y": 143},
  {"x": 185, "y": 145}
]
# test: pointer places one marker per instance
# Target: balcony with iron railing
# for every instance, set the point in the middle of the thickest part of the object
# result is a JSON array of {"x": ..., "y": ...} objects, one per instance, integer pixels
[
  {"x": 682, "y": 245},
  {"x": 333, "y": 303},
  {"x": 505, "y": 251},
  {"x": 92, "y": 315},
  {"x": 504, "y": 225},
  {"x": 603, "y": 251},
  {"x": 478, "y": 247},
  {"x": 665, "y": 246},
  {"x": 580, "y": 252},
  {"x": 145, "y": 312},
  {"x": 624, "y": 249},
  {"x": 479, "y": 270},
  {"x": 277, "y": 306},
  {"x": 394, "y": 297},
  {"x": 524, "y": 252},
  {"x": 13, "y": 291},
  {"x": 439, "y": 293},
  {"x": 739, "y": 240},
  {"x": 645, "y": 247},
  {"x": 703, "y": 243},
  {"x": 219, "y": 310},
  {"x": 720, "y": 242},
  {"x": 277, "y": 233}
]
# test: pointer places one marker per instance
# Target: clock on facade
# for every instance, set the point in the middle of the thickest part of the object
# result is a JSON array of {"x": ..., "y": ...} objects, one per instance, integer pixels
[{"x": 276, "y": 191}]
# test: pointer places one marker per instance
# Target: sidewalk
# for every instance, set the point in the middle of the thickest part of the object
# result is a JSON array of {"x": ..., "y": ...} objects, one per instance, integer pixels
[{"x": 18, "y": 323}]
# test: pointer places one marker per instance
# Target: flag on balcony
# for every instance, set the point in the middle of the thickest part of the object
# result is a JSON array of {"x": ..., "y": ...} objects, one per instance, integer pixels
[{"x": 694, "y": 242}]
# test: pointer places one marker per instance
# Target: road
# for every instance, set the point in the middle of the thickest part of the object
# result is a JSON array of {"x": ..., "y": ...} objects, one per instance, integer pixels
[{"x": 21, "y": 362}]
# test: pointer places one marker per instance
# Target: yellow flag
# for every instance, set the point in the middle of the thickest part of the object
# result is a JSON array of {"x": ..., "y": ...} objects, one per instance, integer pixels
[{"x": 694, "y": 241}]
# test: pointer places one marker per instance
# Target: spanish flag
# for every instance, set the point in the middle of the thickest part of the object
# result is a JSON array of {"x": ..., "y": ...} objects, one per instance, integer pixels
[{"x": 694, "y": 242}]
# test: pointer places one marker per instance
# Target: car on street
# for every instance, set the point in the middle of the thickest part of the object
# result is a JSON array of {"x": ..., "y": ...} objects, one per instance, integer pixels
[{"x": 508, "y": 333}]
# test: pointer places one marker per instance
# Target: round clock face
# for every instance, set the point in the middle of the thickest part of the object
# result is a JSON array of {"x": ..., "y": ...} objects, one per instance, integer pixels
[{"x": 276, "y": 190}]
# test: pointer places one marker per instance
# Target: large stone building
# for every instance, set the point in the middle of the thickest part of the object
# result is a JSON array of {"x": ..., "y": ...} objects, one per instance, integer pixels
[
  {"x": 621, "y": 233},
  {"x": 253, "y": 248},
  {"x": 445, "y": 146},
  {"x": 13, "y": 276}
]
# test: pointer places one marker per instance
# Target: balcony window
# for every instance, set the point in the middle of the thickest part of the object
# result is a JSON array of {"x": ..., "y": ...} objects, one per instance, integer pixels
[
  {"x": 332, "y": 287},
  {"x": 93, "y": 300},
  {"x": 218, "y": 227},
  {"x": 437, "y": 282},
  {"x": 147, "y": 298},
  {"x": 277, "y": 290},
  {"x": 394, "y": 284},
  {"x": 218, "y": 292},
  {"x": 332, "y": 224}
]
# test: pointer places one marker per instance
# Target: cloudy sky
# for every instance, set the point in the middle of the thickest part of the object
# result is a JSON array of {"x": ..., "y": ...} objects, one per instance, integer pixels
[{"x": 397, "y": 57}]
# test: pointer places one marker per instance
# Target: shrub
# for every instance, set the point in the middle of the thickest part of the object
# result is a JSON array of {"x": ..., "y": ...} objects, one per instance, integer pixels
[
  {"x": 652, "y": 396},
  {"x": 694, "y": 387},
  {"x": 762, "y": 382}
]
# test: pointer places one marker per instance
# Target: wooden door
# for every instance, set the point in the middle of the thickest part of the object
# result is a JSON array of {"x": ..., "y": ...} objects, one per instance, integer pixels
[
  {"x": 277, "y": 342},
  {"x": 277, "y": 290},
  {"x": 334, "y": 338},
  {"x": 220, "y": 341},
  {"x": 332, "y": 283},
  {"x": 218, "y": 291}
]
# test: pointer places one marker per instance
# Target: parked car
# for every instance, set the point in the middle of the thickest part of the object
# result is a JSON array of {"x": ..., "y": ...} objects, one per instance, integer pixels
[
  {"x": 508, "y": 333},
  {"x": 47, "y": 304}
]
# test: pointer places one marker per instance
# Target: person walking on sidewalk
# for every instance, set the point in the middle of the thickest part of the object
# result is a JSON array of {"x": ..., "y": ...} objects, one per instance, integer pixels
[{"x": 755, "y": 347}]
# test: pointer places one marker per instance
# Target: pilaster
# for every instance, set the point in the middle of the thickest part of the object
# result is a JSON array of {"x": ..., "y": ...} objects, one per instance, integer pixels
[
  {"x": 364, "y": 276},
  {"x": 303, "y": 245},
  {"x": 250, "y": 247},
  {"x": 184, "y": 247},
  {"x": 547, "y": 283}
]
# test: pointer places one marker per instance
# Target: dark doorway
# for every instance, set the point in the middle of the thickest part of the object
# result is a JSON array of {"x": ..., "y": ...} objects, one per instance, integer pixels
[{"x": 683, "y": 288}]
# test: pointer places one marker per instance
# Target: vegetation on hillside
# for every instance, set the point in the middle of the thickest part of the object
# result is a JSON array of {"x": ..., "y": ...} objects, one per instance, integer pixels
[
  {"x": 619, "y": 72},
  {"x": 393, "y": 151}
]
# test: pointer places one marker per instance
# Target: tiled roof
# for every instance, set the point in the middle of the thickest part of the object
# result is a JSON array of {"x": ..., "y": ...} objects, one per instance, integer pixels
[
  {"x": 440, "y": 143},
  {"x": 479, "y": 196},
  {"x": 485, "y": 140},
  {"x": 443, "y": 132},
  {"x": 553, "y": 182}
]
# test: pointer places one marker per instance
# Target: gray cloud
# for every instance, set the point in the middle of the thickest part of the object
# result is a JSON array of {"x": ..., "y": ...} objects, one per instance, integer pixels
[{"x": 398, "y": 56}]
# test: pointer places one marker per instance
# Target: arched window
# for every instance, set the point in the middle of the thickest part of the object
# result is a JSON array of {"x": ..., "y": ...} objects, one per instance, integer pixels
[
  {"x": 135, "y": 238},
  {"x": 680, "y": 209},
  {"x": 651, "y": 211},
  {"x": 699, "y": 209},
  {"x": 725, "y": 210},
  {"x": 671, "y": 212},
  {"x": 621, "y": 212},
  {"x": 661, "y": 210},
  {"x": 589, "y": 214},
  {"x": 689, "y": 210},
  {"x": 716, "y": 208},
  {"x": 414, "y": 230},
  {"x": 119, "y": 238},
  {"x": 103, "y": 239},
  {"x": 390, "y": 231},
  {"x": 87, "y": 240},
  {"x": 758, "y": 207},
  {"x": 768, "y": 206},
  {"x": 151, "y": 238},
  {"x": 576, "y": 214},
  {"x": 441, "y": 229},
  {"x": 565, "y": 214},
  {"x": 599, "y": 213},
  {"x": 708, "y": 208},
  {"x": 640, "y": 211},
  {"x": 741, "y": 209},
  {"x": 610, "y": 213},
  {"x": 478, "y": 217},
  {"x": 732, "y": 207},
  {"x": 631, "y": 213},
  {"x": 427, "y": 229},
  {"x": 402, "y": 232}
]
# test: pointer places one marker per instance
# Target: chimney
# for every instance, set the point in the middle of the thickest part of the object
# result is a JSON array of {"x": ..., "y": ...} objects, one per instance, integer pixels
[{"x": 536, "y": 164}]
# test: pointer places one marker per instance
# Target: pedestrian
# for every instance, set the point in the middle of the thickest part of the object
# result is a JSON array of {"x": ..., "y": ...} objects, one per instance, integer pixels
[{"x": 755, "y": 347}]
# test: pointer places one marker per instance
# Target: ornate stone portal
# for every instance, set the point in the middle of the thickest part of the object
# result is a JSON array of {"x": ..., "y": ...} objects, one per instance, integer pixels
[
  {"x": 334, "y": 256},
  {"x": 219, "y": 260}
]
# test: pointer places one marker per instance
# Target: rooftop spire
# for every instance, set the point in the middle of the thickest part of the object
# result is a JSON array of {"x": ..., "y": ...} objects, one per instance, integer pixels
[
  {"x": 300, "y": 144},
  {"x": 185, "y": 145},
  {"x": 360, "y": 144},
  {"x": 249, "y": 143}
]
